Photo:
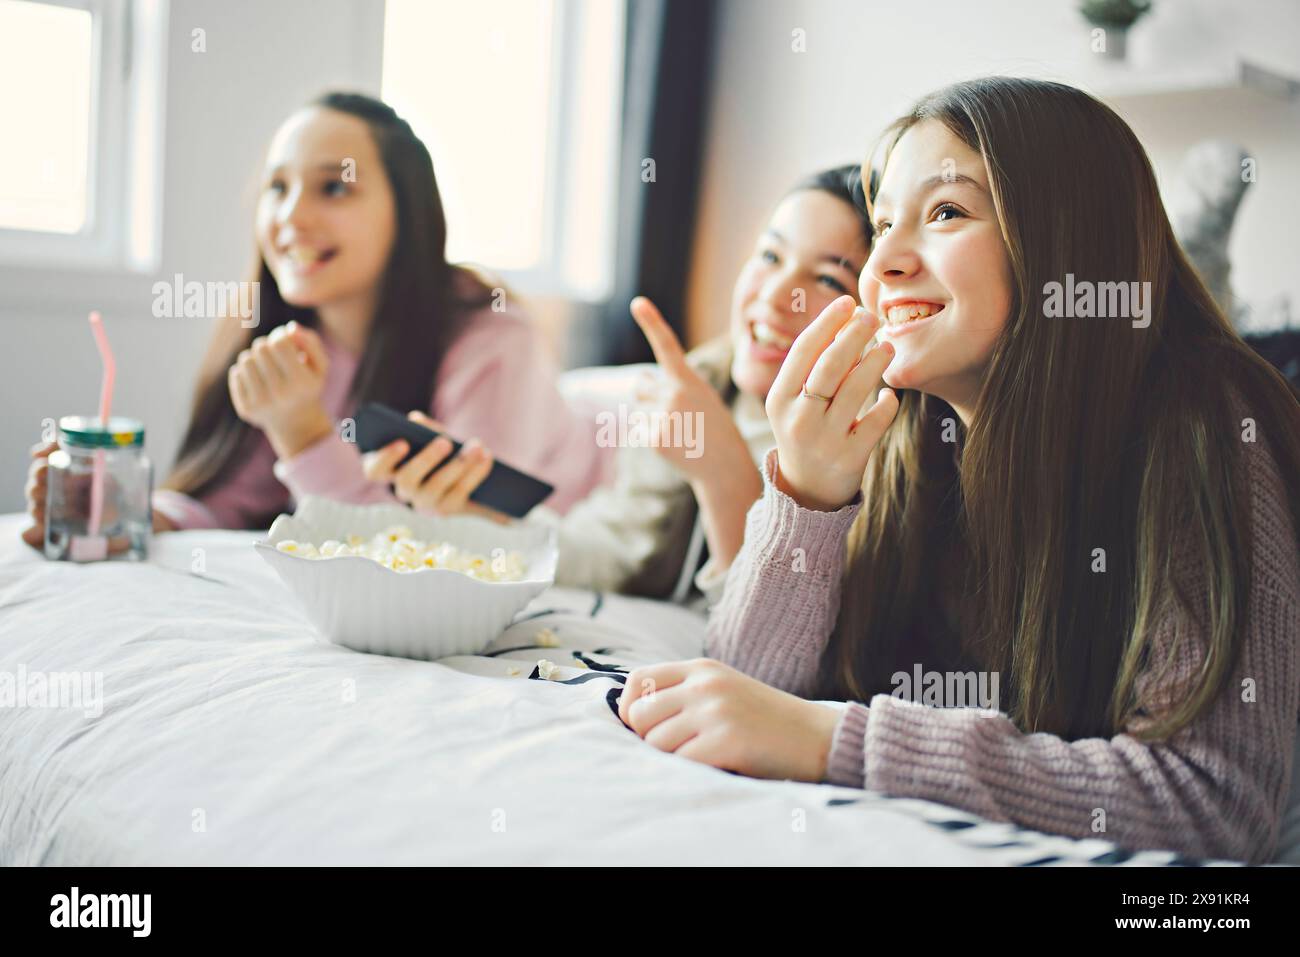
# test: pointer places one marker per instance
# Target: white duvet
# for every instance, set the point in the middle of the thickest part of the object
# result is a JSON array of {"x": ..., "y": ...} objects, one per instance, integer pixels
[{"x": 230, "y": 734}]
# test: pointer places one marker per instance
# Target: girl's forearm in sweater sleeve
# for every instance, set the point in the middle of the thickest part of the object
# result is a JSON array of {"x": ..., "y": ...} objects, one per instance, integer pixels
[
  {"x": 181, "y": 511},
  {"x": 1215, "y": 789},
  {"x": 331, "y": 468},
  {"x": 783, "y": 590}
]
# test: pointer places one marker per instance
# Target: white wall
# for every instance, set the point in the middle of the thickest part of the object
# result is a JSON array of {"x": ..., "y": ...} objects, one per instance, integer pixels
[
  {"x": 777, "y": 114},
  {"x": 262, "y": 60}
]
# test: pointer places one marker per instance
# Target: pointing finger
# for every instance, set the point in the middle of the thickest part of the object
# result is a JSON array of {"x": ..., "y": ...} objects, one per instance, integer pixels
[{"x": 663, "y": 342}]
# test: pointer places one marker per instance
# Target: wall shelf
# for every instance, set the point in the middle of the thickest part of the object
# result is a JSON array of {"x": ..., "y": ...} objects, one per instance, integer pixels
[{"x": 1122, "y": 81}]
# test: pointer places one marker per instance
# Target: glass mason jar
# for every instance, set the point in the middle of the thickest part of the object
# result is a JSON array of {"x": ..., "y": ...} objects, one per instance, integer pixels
[{"x": 97, "y": 491}]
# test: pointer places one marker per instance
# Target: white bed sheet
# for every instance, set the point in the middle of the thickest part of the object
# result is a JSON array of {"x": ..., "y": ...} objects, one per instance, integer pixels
[{"x": 231, "y": 735}]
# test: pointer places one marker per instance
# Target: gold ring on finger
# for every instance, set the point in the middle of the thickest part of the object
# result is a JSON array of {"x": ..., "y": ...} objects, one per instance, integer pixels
[{"x": 814, "y": 395}]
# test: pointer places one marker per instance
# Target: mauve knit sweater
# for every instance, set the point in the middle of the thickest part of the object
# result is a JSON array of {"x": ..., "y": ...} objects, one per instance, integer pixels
[{"x": 1214, "y": 789}]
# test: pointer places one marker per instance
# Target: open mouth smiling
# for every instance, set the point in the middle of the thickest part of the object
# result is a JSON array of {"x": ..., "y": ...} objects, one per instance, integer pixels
[
  {"x": 904, "y": 315},
  {"x": 765, "y": 335},
  {"x": 307, "y": 258}
]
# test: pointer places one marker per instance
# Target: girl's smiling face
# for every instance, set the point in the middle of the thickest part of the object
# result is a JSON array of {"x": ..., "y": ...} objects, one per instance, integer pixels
[
  {"x": 807, "y": 258},
  {"x": 326, "y": 219},
  {"x": 938, "y": 277}
]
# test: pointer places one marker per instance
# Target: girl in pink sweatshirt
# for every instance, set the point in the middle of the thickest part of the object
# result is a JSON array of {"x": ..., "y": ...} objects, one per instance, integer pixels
[
  {"x": 1053, "y": 567},
  {"x": 357, "y": 302}
]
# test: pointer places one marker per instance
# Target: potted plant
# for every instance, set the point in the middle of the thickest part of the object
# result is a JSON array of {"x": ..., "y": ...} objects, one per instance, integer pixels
[{"x": 1115, "y": 17}]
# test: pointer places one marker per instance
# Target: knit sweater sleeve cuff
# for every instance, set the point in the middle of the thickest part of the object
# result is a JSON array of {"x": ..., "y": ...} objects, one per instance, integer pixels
[
  {"x": 330, "y": 468},
  {"x": 782, "y": 524},
  {"x": 846, "y": 765},
  {"x": 913, "y": 750}
]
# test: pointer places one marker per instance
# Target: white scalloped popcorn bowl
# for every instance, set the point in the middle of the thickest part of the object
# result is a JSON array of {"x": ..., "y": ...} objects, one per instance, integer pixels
[{"x": 428, "y": 613}]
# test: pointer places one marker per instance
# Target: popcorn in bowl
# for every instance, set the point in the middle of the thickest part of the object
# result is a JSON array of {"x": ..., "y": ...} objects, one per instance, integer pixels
[
  {"x": 387, "y": 580},
  {"x": 397, "y": 549}
]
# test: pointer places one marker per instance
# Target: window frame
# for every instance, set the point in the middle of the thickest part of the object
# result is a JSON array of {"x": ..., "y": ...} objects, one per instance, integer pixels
[
  {"x": 548, "y": 278},
  {"x": 107, "y": 241}
]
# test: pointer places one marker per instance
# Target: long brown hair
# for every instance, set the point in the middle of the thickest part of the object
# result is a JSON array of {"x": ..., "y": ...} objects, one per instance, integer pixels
[
  {"x": 1087, "y": 433},
  {"x": 423, "y": 305}
]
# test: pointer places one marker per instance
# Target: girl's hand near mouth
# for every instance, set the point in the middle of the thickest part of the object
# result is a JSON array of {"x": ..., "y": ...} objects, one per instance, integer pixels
[
  {"x": 822, "y": 444},
  {"x": 275, "y": 385}
]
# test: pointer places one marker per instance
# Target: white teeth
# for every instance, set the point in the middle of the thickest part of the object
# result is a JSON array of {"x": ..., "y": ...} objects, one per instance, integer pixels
[
  {"x": 906, "y": 313},
  {"x": 304, "y": 256},
  {"x": 766, "y": 335}
]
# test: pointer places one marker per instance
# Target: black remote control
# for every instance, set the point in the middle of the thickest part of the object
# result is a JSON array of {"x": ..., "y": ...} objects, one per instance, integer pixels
[{"x": 506, "y": 489}]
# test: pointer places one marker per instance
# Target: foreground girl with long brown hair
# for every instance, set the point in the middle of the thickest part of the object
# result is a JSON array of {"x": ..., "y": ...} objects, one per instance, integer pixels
[{"x": 1095, "y": 505}]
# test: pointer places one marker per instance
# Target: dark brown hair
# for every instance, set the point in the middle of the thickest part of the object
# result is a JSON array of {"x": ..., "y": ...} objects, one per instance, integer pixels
[{"x": 845, "y": 184}]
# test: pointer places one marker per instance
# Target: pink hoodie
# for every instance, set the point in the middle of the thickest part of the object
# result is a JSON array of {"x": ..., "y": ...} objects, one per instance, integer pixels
[{"x": 495, "y": 384}]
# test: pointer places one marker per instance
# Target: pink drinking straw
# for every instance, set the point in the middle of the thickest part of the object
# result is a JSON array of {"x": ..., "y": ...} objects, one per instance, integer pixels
[{"x": 105, "y": 406}]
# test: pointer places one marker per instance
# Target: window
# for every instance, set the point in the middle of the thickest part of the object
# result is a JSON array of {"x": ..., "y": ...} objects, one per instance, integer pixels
[
  {"x": 519, "y": 102},
  {"x": 47, "y": 48},
  {"x": 83, "y": 89}
]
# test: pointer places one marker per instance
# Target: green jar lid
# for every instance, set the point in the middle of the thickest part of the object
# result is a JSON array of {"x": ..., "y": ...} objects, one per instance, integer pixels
[{"x": 88, "y": 432}]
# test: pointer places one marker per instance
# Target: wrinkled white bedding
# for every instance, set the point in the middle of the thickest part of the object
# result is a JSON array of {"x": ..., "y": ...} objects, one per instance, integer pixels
[{"x": 231, "y": 735}]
